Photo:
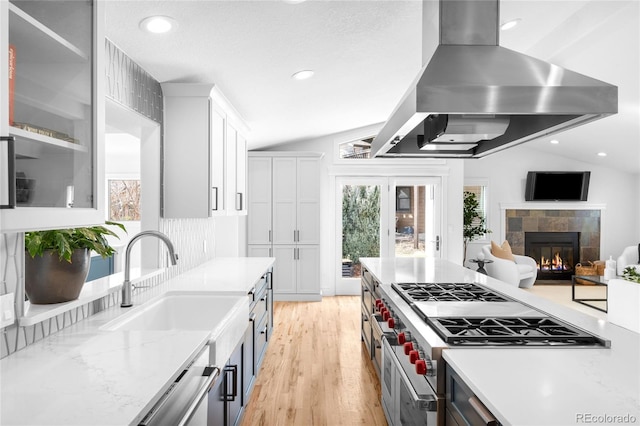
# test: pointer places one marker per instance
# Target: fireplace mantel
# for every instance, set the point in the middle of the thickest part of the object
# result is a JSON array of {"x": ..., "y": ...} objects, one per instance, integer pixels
[{"x": 533, "y": 205}]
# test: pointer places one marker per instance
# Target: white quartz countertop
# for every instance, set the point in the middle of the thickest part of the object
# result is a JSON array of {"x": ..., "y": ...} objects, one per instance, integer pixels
[
  {"x": 83, "y": 375},
  {"x": 537, "y": 386}
]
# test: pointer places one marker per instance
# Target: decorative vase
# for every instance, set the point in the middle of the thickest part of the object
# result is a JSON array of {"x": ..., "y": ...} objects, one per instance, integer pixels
[{"x": 49, "y": 280}]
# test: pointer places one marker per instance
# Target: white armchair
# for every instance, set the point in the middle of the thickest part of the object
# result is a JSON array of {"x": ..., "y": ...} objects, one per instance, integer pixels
[
  {"x": 521, "y": 273},
  {"x": 629, "y": 257}
]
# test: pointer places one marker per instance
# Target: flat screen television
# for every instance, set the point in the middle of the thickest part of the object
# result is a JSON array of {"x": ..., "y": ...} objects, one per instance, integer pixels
[{"x": 557, "y": 186}]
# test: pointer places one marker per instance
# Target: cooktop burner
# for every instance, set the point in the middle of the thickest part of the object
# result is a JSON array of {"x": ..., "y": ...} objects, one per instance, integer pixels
[
  {"x": 543, "y": 331},
  {"x": 446, "y": 292}
]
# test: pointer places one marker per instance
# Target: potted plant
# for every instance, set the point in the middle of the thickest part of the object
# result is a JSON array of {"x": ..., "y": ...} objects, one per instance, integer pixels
[
  {"x": 473, "y": 223},
  {"x": 58, "y": 261}
]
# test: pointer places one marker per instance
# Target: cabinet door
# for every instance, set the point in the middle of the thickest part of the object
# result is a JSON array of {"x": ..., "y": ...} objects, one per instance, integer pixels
[
  {"x": 308, "y": 201},
  {"x": 186, "y": 157},
  {"x": 249, "y": 372},
  {"x": 216, "y": 403},
  {"x": 231, "y": 147},
  {"x": 53, "y": 105},
  {"x": 234, "y": 388},
  {"x": 284, "y": 269},
  {"x": 217, "y": 196},
  {"x": 308, "y": 269},
  {"x": 284, "y": 200},
  {"x": 259, "y": 193},
  {"x": 241, "y": 174}
]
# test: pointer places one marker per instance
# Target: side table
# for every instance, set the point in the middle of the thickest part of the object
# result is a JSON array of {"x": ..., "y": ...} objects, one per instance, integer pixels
[{"x": 481, "y": 263}]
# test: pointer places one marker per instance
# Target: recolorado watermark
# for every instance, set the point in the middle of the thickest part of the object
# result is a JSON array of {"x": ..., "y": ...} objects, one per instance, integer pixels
[{"x": 590, "y": 418}]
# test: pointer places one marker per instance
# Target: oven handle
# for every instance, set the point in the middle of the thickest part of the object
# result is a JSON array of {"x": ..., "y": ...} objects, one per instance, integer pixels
[{"x": 427, "y": 404}]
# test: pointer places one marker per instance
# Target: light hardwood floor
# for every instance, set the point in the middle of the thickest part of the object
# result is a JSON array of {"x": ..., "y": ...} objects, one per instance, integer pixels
[{"x": 316, "y": 370}]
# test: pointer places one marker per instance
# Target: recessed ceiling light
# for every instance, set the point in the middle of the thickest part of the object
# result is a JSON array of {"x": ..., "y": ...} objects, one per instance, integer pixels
[
  {"x": 303, "y": 75},
  {"x": 158, "y": 24},
  {"x": 510, "y": 24},
  {"x": 602, "y": 154},
  {"x": 554, "y": 141}
]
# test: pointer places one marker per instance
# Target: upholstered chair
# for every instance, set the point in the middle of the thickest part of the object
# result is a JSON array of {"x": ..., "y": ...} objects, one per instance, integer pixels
[
  {"x": 520, "y": 272},
  {"x": 630, "y": 257}
]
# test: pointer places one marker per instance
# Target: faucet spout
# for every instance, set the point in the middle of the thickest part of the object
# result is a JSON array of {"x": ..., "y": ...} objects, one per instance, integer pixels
[{"x": 126, "y": 285}]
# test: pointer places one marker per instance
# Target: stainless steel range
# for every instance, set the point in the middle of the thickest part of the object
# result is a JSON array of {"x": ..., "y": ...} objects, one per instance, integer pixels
[{"x": 417, "y": 321}]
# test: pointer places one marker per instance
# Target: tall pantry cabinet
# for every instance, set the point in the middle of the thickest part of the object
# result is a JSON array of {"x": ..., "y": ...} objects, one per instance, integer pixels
[{"x": 284, "y": 220}]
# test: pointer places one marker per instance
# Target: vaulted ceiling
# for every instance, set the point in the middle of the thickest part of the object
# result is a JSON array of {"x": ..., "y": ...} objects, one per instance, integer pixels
[{"x": 365, "y": 53}]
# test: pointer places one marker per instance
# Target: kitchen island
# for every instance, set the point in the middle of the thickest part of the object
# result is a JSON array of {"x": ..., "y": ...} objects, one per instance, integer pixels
[
  {"x": 537, "y": 385},
  {"x": 86, "y": 375}
]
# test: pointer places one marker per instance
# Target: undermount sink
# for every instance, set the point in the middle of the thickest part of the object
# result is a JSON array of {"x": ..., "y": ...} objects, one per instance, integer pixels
[{"x": 178, "y": 311}]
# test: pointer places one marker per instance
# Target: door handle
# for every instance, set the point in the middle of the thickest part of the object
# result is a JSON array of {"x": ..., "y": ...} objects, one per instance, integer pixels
[
  {"x": 214, "y": 198},
  {"x": 231, "y": 395},
  {"x": 239, "y": 200},
  {"x": 8, "y": 160},
  {"x": 437, "y": 242}
]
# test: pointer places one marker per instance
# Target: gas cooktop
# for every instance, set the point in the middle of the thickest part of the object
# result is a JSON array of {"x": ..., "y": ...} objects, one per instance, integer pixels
[
  {"x": 446, "y": 292},
  {"x": 469, "y": 314},
  {"x": 542, "y": 331}
]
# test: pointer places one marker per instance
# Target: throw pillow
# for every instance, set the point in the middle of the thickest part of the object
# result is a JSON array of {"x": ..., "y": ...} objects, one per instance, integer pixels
[{"x": 503, "y": 251}]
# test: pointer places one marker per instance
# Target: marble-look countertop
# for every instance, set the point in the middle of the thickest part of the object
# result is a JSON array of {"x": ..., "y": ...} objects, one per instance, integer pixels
[
  {"x": 83, "y": 375},
  {"x": 537, "y": 386}
]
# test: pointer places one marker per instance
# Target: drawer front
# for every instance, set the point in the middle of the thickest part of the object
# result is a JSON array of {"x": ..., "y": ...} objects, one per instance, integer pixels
[
  {"x": 260, "y": 307},
  {"x": 259, "y": 290}
]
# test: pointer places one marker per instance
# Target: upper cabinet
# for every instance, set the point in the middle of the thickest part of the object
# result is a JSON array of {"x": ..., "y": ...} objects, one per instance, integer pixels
[
  {"x": 51, "y": 114},
  {"x": 204, "y": 153}
]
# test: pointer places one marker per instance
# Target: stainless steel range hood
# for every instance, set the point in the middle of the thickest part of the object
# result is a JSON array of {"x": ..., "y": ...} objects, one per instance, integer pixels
[{"x": 472, "y": 84}]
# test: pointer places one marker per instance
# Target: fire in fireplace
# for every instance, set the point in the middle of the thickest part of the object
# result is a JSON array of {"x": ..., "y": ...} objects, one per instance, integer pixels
[{"x": 555, "y": 253}]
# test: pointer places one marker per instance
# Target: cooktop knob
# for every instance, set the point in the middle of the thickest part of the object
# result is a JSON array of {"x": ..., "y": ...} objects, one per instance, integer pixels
[
  {"x": 401, "y": 338},
  {"x": 421, "y": 367},
  {"x": 391, "y": 322},
  {"x": 386, "y": 315},
  {"x": 408, "y": 347},
  {"x": 413, "y": 356}
]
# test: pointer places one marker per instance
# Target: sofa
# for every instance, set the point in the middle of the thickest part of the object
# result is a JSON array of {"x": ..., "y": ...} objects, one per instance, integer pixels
[
  {"x": 630, "y": 257},
  {"x": 520, "y": 272}
]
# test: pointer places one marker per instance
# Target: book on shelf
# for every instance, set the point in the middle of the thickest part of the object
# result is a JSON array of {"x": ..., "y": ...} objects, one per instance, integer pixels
[
  {"x": 12, "y": 80},
  {"x": 45, "y": 132}
]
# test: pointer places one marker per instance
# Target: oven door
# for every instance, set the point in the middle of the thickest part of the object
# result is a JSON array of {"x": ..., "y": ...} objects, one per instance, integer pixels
[{"x": 407, "y": 397}]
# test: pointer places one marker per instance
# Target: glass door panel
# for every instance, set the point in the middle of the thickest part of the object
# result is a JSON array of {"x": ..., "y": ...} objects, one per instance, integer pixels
[
  {"x": 416, "y": 217},
  {"x": 360, "y": 226},
  {"x": 51, "y": 102}
]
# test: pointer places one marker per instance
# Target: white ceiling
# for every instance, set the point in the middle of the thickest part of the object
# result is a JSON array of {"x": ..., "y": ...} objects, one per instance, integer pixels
[{"x": 365, "y": 53}]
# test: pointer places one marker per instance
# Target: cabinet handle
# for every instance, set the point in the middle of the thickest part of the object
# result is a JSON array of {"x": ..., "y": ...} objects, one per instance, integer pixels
[
  {"x": 481, "y": 410},
  {"x": 270, "y": 252},
  {"x": 252, "y": 317},
  {"x": 214, "y": 198},
  {"x": 264, "y": 330},
  {"x": 231, "y": 396},
  {"x": 269, "y": 235},
  {"x": 11, "y": 172},
  {"x": 239, "y": 200}
]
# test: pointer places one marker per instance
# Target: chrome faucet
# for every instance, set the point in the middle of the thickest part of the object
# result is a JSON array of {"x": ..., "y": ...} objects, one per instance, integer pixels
[{"x": 126, "y": 286}]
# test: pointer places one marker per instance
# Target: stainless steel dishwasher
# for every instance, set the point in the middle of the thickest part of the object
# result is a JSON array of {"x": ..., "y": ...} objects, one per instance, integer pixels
[{"x": 185, "y": 402}]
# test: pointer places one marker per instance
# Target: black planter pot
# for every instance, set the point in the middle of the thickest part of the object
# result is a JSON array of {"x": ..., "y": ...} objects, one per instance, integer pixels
[{"x": 49, "y": 280}]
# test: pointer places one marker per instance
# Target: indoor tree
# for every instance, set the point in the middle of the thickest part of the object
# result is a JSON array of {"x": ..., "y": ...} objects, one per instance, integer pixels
[{"x": 473, "y": 222}]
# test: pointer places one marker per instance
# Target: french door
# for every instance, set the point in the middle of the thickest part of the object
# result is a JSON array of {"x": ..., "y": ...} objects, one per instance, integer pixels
[{"x": 384, "y": 217}]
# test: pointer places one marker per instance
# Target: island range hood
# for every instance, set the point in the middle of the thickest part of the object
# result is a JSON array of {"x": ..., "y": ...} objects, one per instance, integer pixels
[{"x": 474, "y": 97}]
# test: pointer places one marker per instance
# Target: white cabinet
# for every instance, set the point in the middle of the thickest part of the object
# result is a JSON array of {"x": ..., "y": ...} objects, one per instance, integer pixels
[
  {"x": 52, "y": 106},
  {"x": 203, "y": 154},
  {"x": 236, "y": 173},
  {"x": 284, "y": 219}
]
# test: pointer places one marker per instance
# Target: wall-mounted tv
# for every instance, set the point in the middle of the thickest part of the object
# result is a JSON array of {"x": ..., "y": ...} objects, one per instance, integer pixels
[{"x": 557, "y": 186}]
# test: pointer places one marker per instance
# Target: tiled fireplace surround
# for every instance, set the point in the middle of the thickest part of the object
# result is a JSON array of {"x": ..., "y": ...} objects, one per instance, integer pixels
[{"x": 586, "y": 222}]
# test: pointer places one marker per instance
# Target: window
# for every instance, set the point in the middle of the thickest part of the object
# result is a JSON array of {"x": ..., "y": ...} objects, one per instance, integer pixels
[
  {"x": 403, "y": 198},
  {"x": 356, "y": 149},
  {"x": 480, "y": 191},
  {"x": 124, "y": 200}
]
